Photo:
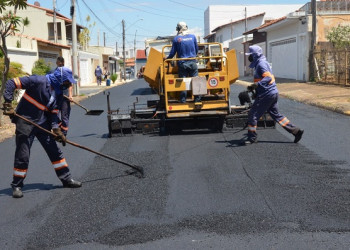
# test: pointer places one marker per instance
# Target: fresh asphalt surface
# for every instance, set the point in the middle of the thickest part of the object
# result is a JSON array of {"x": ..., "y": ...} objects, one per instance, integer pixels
[{"x": 200, "y": 191}]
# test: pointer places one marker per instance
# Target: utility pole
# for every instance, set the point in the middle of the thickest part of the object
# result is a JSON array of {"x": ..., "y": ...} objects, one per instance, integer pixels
[
  {"x": 116, "y": 55},
  {"x": 104, "y": 39},
  {"x": 74, "y": 47},
  {"x": 245, "y": 23},
  {"x": 135, "y": 55},
  {"x": 98, "y": 37},
  {"x": 124, "y": 70},
  {"x": 54, "y": 22},
  {"x": 313, "y": 41}
]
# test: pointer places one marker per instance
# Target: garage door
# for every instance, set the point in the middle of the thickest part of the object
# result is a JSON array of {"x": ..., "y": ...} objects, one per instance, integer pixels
[
  {"x": 283, "y": 56},
  {"x": 84, "y": 72}
]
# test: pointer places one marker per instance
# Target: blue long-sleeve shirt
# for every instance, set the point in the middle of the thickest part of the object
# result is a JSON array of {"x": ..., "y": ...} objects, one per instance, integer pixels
[
  {"x": 35, "y": 103},
  {"x": 263, "y": 77},
  {"x": 185, "y": 46}
]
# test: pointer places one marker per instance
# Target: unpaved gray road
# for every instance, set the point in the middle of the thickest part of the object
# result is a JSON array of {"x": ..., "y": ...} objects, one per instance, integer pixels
[{"x": 201, "y": 190}]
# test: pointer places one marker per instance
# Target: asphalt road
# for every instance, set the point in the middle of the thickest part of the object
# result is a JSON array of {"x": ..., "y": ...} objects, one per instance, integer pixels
[{"x": 201, "y": 190}]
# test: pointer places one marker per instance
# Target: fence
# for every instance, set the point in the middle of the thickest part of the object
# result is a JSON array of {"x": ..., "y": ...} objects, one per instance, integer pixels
[{"x": 332, "y": 66}]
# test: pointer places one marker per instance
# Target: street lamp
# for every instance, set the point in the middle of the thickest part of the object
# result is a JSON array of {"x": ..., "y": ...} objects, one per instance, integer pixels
[
  {"x": 141, "y": 19},
  {"x": 123, "y": 24}
]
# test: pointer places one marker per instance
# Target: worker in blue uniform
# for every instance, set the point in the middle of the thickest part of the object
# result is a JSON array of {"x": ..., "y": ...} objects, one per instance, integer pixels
[
  {"x": 65, "y": 106},
  {"x": 185, "y": 46},
  {"x": 266, "y": 99},
  {"x": 40, "y": 104}
]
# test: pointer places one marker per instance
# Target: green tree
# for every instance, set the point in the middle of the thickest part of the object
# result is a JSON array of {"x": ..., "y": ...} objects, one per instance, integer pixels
[
  {"x": 25, "y": 22},
  {"x": 40, "y": 67},
  {"x": 9, "y": 23},
  {"x": 339, "y": 36},
  {"x": 84, "y": 36}
]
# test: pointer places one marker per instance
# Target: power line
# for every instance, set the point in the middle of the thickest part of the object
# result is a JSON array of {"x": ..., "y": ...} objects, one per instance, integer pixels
[
  {"x": 163, "y": 11},
  {"x": 189, "y": 6},
  {"x": 167, "y": 16},
  {"x": 108, "y": 28}
]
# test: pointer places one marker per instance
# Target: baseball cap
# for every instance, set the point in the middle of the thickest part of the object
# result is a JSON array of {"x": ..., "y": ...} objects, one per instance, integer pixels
[{"x": 67, "y": 75}]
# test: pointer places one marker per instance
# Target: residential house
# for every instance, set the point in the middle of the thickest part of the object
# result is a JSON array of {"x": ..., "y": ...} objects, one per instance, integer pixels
[
  {"x": 217, "y": 15},
  {"x": 231, "y": 36},
  {"x": 141, "y": 59},
  {"x": 106, "y": 58},
  {"x": 37, "y": 41},
  {"x": 41, "y": 28},
  {"x": 241, "y": 19},
  {"x": 287, "y": 40}
]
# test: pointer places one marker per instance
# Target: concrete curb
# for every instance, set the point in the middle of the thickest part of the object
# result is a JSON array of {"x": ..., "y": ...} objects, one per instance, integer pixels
[{"x": 329, "y": 97}]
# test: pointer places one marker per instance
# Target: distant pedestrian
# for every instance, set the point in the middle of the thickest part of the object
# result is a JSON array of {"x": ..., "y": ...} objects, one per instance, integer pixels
[
  {"x": 106, "y": 73},
  {"x": 98, "y": 74},
  {"x": 266, "y": 99}
]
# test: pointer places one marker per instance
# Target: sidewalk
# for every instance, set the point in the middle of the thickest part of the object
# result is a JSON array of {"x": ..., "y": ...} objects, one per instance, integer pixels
[
  {"x": 93, "y": 89},
  {"x": 8, "y": 128},
  {"x": 331, "y": 97}
]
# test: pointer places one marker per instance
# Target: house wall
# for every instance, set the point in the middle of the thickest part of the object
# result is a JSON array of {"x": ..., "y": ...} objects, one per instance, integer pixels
[
  {"x": 87, "y": 68},
  {"x": 326, "y": 22},
  {"x": 26, "y": 55},
  {"x": 38, "y": 26},
  {"x": 234, "y": 31},
  {"x": 217, "y": 15},
  {"x": 288, "y": 49}
]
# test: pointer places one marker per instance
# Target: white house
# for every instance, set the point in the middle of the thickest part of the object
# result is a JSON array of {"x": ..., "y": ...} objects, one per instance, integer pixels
[
  {"x": 287, "y": 40},
  {"x": 217, "y": 15}
]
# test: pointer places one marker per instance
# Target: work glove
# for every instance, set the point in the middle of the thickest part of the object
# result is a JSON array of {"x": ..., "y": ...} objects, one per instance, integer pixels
[
  {"x": 8, "y": 109},
  {"x": 252, "y": 87},
  {"x": 59, "y": 136}
]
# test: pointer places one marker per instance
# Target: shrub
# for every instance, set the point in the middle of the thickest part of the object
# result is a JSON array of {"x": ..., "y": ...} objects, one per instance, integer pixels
[
  {"x": 40, "y": 68},
  {"x": 114, "y": 77},
  {"x": 16, "y": 70}
]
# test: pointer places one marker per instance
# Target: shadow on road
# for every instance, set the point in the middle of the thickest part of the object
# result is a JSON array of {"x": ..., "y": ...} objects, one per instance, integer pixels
[
  {"x": 143, "y": 91},
  {"x": 33, "y": 187}
]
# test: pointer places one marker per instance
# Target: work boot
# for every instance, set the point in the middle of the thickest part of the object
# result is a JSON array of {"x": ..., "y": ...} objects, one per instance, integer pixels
[
  {"x": 70, "y": 183},
  {"x": 17, "y": 192},
  {"x": 249, "y": 141},
  {"x": 298, "y": 135}
]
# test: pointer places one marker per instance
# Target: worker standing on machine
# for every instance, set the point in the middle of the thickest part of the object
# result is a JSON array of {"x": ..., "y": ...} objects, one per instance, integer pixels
[
  {"x": 38, "y": 104},
  {"x": 185, "y": 46},
  {"x": 266, "y": 97}
]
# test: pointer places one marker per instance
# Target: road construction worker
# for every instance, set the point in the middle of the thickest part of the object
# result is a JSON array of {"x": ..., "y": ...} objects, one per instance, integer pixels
[
  {"x": 185, "y": 46},
  {"x": 65, "y": 106},
  {"x": 39, "y": 104},
  {"x": 266, "y": 99}
]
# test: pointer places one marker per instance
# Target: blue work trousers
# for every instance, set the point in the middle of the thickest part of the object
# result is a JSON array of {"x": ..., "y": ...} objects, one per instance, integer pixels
[
  {"x": 65, "y": 113},
  {"x": 22, "y": 154},
  {"x": 267, "y": 103},
  {"x": 188, "y": 69}
]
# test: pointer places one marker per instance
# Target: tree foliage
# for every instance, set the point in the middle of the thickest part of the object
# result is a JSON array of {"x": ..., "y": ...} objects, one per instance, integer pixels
[
  {"x": 9, "y": 24},
  {"x": 84, "y": 35},
  {"x": 40, "y": 67},
  {"x": 339, "y": 36}
]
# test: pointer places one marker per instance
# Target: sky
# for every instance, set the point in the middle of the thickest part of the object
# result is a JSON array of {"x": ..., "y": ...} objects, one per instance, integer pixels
[{"x": 143, "y": 18}]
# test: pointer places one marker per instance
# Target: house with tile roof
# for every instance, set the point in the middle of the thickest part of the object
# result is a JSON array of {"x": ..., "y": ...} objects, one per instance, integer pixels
[
  {"x": 286, "y": 41},
  {"x": 37, "y": 41}
]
